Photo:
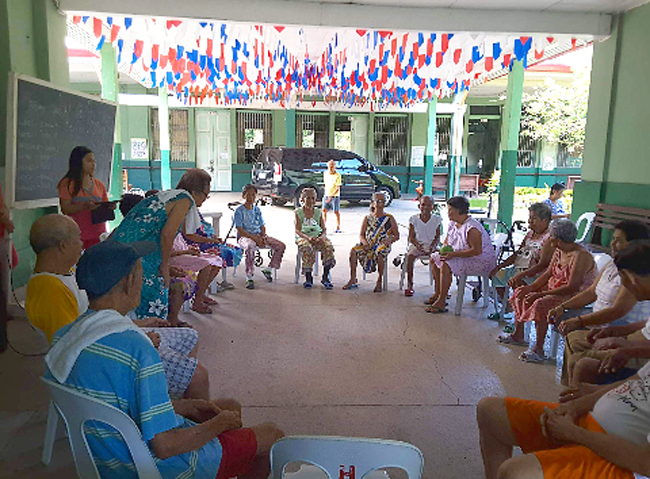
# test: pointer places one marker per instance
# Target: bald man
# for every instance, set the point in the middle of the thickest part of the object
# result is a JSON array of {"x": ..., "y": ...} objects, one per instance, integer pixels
[{"x": 54, "y": 300}]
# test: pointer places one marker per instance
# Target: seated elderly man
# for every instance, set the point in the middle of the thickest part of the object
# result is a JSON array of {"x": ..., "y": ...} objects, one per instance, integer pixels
[
  {"x": 103, "y": 354},
  {"x": 603, "y": 434},
  {"x": 54, "y": 300}
]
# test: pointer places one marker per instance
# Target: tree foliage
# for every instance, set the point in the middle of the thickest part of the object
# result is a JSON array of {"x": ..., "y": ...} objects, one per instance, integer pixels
[{"x": 557, "y": 114}]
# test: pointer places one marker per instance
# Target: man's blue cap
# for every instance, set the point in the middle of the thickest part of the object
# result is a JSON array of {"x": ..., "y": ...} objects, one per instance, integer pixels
[{"x": 103, "y": 265}]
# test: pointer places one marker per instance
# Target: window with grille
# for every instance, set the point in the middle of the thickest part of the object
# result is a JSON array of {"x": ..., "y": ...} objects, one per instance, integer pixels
[
  {"x": 253, "y": 134},
  {"x": 179, "y": 134},
  {"x": 526, "y": 151},
  {"x": 312, "y": 130},
  {"x": 443, "y": 136},
  {"x": 391, "y": 135},
  {"x": 565, "y": 160}
]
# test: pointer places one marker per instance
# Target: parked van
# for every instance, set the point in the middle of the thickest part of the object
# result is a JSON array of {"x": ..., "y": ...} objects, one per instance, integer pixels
[{"x": 282, "y": 174}]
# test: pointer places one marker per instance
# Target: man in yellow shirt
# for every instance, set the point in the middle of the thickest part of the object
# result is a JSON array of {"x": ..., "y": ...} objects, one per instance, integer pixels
[
  {"x": 53, "y": 298},
  {"x": 332, "y": 198}
]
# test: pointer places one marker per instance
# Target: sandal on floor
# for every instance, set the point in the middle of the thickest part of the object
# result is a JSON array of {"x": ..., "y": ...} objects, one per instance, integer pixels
[
  {"x": 409, "y": 292},
  {"x": 351, "y": 286},
  {"x": 431, "y": 300},
  {"x": 494, "y": 317},
  {"x": 209, "y": 301},
  {"x": 202, "y": 308},
  {"x": 508, "y": 339},
  {"x": 531, "y": 356},
  {"x": 436, "y": 310},
  {"x": 378, "y": 289}
]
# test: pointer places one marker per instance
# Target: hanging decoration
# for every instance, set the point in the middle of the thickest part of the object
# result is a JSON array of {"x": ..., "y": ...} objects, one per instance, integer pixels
[{"x": 238, "y": 63}]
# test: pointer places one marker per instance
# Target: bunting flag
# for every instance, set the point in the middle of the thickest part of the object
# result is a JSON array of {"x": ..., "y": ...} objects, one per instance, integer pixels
[{"x": 231, "y": 63}]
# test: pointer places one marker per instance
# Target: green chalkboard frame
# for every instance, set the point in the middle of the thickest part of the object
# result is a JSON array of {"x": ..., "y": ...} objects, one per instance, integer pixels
[{"x": 12, "y": 143}]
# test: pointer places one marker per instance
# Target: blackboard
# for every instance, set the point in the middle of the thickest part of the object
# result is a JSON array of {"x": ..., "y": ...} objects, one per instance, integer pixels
[{"x": 45, "y": 124}]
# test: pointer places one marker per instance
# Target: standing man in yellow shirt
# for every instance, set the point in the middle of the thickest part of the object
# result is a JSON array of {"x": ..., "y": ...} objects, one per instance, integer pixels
[{"x": 332, "y": 199}]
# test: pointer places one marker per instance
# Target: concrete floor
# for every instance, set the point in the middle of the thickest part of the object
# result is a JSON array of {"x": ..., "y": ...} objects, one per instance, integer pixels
[{"x": 351, "y": 363}]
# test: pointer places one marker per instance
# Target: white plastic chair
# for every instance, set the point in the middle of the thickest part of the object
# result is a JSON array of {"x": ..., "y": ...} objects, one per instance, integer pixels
[
  {"x": 462, "y": 280},
  {"x": 588, "y": 219},
  {"x": 76, "y": 409},
  {"x": 299, "y": 263},
  {"x": 53, "y": 430},
  {"x": 346, "y": 456},
  {"x": 403, "y": 273},
  {"x": 385, "y": 279},
  {"x": 498, "y": 241}
]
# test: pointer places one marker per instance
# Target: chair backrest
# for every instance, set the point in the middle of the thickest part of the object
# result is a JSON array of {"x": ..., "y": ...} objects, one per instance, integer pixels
[
  {"x": 348, "y": 457},
  {"x": 588, "y": 219},
  {"x": 76, "y": 409},
  {"x": 498, "y": 241}
]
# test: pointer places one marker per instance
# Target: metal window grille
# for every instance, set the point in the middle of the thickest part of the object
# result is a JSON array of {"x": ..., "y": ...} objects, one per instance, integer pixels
[
  {"x": 312, "y": 131},
  {"x": 179, "y": 135},
  {"x": 443, "y": 134},
  {"x": 391, "y": 137},
  {"x": 247, "y": 123},
  {"x": 565, "y": 160},
  {"x": 526, "y": 151}
]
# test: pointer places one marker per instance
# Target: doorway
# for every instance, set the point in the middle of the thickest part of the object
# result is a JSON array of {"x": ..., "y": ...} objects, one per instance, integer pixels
[{"x": 213, "y": 150}]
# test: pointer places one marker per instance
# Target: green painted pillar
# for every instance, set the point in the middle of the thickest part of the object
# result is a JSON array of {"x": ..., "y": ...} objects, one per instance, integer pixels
[
  {"x": 510, "y": 124},
  {"x": 110, "y": 92},
  {"x": 430, "y": 152},
  {"x": 163, "y": 122},
  {"x": 456, "y": 157},
  {"x": 370, "y": 140},
  {"x": 291, "y": 128},
  {"x": 332, "y": 128}
]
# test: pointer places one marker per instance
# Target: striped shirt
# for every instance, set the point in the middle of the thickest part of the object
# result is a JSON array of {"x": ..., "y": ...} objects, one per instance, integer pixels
[{"x": 124, "y": 370}]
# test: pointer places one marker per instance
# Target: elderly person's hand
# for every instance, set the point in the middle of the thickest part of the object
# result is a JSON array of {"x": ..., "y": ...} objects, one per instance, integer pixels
[
  {"x": 151, "y": 322},
  {"x": 614, "y": 362},
  {"x": 555, "y": 314},
  {"x": 447, "y": 255},
  {"x": 165, "y": 273},
  {"x": 576, "y": 392},
  {"x": 516, "y": 281},
  {"x": 155, "y": 338},
  {"x": 569, "y": 325},
  {"x": 558, "y": 426},
  {"x": 604, "y": 344},
  {"x": 530, "y": 298}
]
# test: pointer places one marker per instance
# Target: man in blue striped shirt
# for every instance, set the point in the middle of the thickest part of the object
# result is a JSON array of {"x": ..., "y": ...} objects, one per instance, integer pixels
[{"x": 104, "y": 355}]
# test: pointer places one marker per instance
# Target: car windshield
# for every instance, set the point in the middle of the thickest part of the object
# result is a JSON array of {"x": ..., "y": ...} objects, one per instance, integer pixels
[{"x": 351, "y": 164}]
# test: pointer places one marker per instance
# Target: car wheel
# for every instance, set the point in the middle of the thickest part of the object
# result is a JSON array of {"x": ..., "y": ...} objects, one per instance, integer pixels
[
  {"x": 278, "y": 201},
  {"x": 388, "y": 193}
]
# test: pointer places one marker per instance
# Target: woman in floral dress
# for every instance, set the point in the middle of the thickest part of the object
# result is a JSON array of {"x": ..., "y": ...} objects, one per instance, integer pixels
[{"x": 158, "y": 218}]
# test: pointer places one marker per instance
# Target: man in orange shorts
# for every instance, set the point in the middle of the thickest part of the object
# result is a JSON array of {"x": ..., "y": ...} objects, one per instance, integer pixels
[{"x": 604, "y": 434}]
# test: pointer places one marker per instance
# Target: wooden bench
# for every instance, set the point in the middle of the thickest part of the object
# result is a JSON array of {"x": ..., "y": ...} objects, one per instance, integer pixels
[
  {"x": 468, "y": 183},
  {"x": 607, "y": 216}
]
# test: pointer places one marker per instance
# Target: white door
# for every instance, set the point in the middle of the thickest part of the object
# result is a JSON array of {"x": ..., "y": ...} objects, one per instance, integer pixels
[
  {"x": 213, "y": 152},
  {"x": 360, "y": 135}
]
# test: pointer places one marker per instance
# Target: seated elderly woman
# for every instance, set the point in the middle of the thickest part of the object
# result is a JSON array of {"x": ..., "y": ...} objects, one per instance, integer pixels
[
  {"x": 572, "y": 269},
  {"x": 532, "y": 257},
  {"x": 378, "y": 232},
  {"x": 613, "y": 304},
  {"x": 596, "y": 433},
  {"x": 472, "y": 254}
]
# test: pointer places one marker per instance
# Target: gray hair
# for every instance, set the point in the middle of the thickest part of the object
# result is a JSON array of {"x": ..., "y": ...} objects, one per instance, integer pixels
[
  {"x": 542, "y": 211},
  {"x": 50, "y": 231},
  {"x": 564, "y": 230}
]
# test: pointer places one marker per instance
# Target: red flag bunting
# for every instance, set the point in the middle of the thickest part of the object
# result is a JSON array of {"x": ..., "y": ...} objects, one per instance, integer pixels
[{"x": 97, "y": 27}]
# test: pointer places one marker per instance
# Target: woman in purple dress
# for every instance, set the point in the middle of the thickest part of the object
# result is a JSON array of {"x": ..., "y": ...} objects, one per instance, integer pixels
[{"x": 473, "y": 253}]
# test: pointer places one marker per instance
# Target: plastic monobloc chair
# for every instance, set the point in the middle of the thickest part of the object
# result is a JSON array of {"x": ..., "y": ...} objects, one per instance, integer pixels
[
  {"x": 404, "y": 265},
  {"x": 587, "y": 218},
  {"x": 299, "y": 263},
  {"x": 346, "y": 456},
  {"x": 76, "y": 409}
]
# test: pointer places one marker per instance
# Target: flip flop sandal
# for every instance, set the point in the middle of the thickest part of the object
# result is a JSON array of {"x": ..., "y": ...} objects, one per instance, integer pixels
[
  {"x": 431, "y": 300},
  {"x": 494, "y": 317},
  {"x": 507, "y": 339},
  {"x": 203, "y": 309},
  {"x": 351, "y": 286},
  {"x": 531, "y": 356},
  {"x": 409, "y": 292},
  {"x": 436, "y": 310},
  {"x": 210, "y": 301}
]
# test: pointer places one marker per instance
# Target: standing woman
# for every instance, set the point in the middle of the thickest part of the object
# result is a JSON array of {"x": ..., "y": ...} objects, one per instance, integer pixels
[
  {"x": 80, "y": 193},
  {"x": 158, "y": 218}
]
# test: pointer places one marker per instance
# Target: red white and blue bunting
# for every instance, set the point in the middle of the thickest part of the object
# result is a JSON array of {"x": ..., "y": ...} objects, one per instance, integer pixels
[{"x": 238, "y": 63}]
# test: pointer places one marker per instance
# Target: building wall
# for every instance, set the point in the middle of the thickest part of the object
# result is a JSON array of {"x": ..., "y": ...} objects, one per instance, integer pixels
[
  {"x": 32, "y": 37},
  {"x": 616, "y": 168}
]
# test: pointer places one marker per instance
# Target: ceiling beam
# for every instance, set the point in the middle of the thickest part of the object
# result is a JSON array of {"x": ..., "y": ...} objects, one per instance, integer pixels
[{"x": 303, "y": 13}]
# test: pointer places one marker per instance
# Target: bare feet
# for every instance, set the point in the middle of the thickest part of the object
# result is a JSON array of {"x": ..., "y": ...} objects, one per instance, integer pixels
[
  {"x": 201, "y": 308},
  {"x": 351, "y": 284},
  {"x": 377, "y": 287},
  {"x": 209, "y": 301}
]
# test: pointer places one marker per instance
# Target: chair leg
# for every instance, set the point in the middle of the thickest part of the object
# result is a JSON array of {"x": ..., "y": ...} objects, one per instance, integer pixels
[
  {"x": 555, "y": 342},
  {"x": 527, "y": 326},
  {"x": 53, "y": 426},
  {"x": 430, "y": 274},
  {"x": 460, "y": 293},
  {"x": 316, "y": 264},
  {"x": 403, "y": 273},
  {"x": 486, "y": 290},
  {"x": 297, "y": 272},
  {"x": 385, "y": 285},
  {"x": 224, "y": 275}
]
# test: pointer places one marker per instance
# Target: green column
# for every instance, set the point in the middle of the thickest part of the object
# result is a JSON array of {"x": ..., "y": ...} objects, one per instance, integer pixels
[
  {"x": 332, "y": 128},
  {"x": 456, "y": 157},
  {"x": 510, "y": 123},
  {"x": 291, "y": 128},
  {"x": 110, "y": 92},
  {"x": 430, "y": 152},
  {"x": 370, "y": 140},
  {"x": 163, "y": 122}
]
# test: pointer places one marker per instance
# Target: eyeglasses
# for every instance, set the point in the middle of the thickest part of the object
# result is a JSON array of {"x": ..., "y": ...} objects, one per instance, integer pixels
[{"x": 207, "y": 195}]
